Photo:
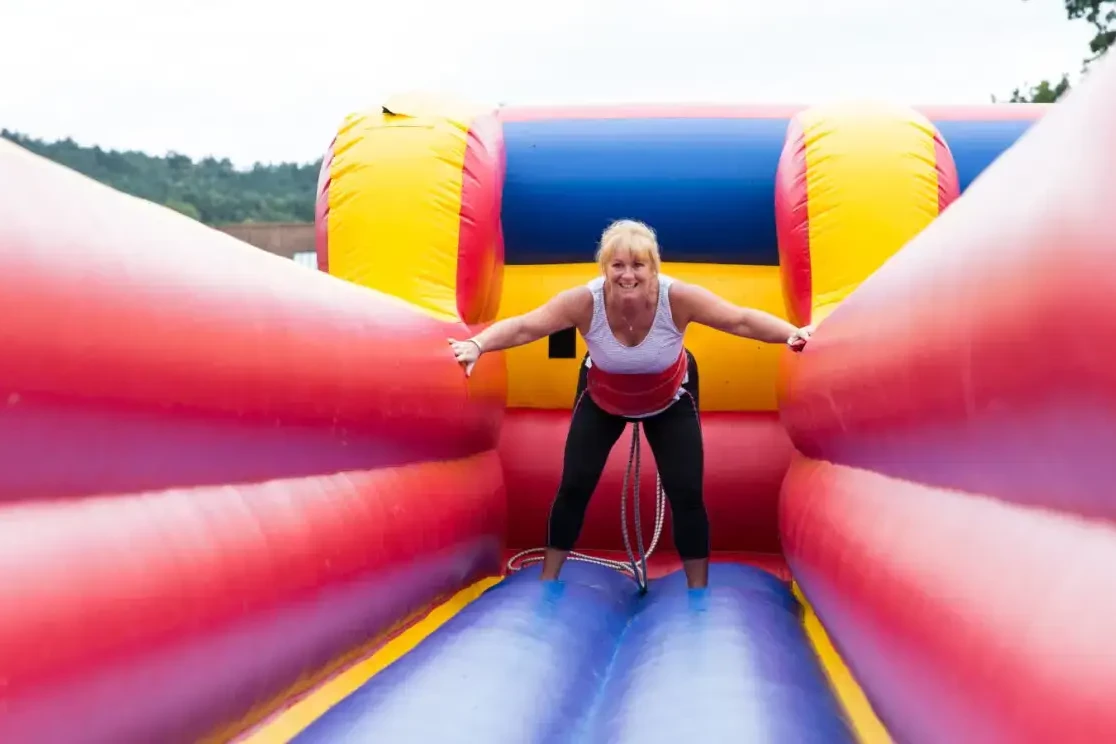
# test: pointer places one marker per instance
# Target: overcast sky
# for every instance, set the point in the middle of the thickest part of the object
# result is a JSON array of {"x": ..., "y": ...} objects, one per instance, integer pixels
[{"x": 269, "y": 81}]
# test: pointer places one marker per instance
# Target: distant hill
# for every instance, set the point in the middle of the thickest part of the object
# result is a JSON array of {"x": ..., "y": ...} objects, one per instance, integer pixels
[{"x": 210, "y": 190}]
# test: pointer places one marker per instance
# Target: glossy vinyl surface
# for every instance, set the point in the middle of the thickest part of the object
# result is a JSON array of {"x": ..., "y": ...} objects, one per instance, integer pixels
[
  {"x": 215, "y": 483},
  {"x": 161, "y": 616},
  {"x": 589, "y": 660},
  {"x": 950, "y": 515}
]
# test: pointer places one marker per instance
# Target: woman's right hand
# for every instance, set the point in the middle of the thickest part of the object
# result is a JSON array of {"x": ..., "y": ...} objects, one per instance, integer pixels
[{"x": 466, "y": 352}]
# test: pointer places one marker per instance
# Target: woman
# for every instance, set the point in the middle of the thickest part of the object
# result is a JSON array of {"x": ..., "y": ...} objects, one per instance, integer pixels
[{"x": 633, "y": 320}]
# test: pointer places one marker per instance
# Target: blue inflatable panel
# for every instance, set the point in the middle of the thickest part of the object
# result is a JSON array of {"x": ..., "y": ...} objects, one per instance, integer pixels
[
  {"x": 589, "y": 660},
  {"x": 976, "y": 144},
  {"x": 707, "y": 185}
]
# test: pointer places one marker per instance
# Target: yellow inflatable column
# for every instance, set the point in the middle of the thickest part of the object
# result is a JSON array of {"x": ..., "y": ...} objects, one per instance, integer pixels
[
  {"x": 855, "y": 183},
  {"x": 412, "y": 205}
]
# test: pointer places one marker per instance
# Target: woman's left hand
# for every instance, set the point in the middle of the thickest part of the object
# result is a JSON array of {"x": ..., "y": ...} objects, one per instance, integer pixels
[{"x": 798, "y": 339}]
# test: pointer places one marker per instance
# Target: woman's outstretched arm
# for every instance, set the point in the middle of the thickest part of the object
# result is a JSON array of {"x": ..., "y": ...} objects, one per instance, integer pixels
[
  {"x": 691, "y": 303},
  {"x": 567, "y": 309}
]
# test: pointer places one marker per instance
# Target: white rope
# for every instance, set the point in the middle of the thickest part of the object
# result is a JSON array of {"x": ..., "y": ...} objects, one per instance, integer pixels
[{"x": 637, "y": 570}]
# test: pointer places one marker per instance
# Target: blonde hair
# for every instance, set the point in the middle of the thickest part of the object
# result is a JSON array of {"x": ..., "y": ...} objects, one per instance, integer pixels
[{"x": 637, "y": 237}]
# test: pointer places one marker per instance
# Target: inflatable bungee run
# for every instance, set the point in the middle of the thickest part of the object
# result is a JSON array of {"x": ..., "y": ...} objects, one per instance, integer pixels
[{"x": 245, "y": 501}]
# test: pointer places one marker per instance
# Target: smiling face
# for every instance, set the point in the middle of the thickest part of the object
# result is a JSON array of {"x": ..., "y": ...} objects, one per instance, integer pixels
[
  {"x": 629, "y": 272},
  {"x": 629, "y": 260}
]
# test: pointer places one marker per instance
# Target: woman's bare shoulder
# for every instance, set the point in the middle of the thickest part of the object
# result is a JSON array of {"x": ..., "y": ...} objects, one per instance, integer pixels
[
  {"x": 683, "y": 295},
  {"x": 573, "y": 306},
  {"x": 577, "y": 302}
]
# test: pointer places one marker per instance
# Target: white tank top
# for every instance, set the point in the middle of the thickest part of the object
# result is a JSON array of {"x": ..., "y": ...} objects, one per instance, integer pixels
[{"x": 656, "y": 352}]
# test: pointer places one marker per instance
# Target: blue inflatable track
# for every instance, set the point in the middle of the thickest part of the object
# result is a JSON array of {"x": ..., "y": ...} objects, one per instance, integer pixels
[{"x": 589, "y": 660}]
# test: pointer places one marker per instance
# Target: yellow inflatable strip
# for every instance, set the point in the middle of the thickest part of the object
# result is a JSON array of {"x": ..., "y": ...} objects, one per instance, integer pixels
[
  {"x": 865, "y": 724},
  {"x": 292, "y": 721}
]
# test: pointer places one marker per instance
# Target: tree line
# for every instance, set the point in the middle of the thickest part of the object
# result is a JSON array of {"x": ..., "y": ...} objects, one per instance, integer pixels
[
  {"x": 1101, "y": 15},
  {"x": 209, "y": 190},
  {"x": 214, "y": 192}
]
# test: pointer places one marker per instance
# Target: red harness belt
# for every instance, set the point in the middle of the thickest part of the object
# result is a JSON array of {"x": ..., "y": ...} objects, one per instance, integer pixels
[{"x": 635, "y": 395}]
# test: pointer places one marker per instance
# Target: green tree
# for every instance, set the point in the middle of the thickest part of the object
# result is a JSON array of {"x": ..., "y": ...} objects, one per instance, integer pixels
[
  {"x": 185, "y": 208},
  {"x": 209, "y": 190},
  {"x": 1101, "y": 14},
  {"x": 1044, "y": 92}
]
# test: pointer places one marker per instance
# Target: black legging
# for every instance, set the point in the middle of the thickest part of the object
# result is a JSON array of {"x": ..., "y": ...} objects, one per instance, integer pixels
[{"x": 675, "y": 439}]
